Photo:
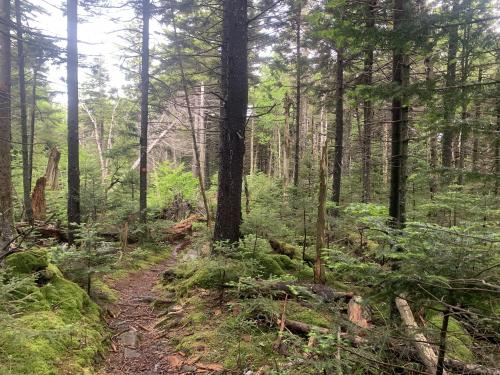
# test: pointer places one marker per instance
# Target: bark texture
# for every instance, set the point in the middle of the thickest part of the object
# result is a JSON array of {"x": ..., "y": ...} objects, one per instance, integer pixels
[
  {"x": 234, "y": 90},
  {"x": 28, "y": 210},
  {"x": 73, "y": 141},
  {"x": 6, "y": 217},
  {"x": 339, "y": 128},
  {"x": 367, "y": 106},
  {"x": 399, "y": 154},
  {"x": 449, "y": 99},
  {"x": 38, "y": 199},
  {"x": 298, "y": 87},
  {"x": 143, "y": 167},
  {"x": 52, "y": 170}
]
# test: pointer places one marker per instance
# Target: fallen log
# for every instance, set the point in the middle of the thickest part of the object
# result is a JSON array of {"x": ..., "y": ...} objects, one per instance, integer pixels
[
  {"x": 295, "y": 326},
  {"x": 182, "y": 229},
  {"x": 279, "y": 289},
  {"x": 424, "y": 349},
  {"x": 459, "y": 367},
  {"x": 44, "y": 230}
]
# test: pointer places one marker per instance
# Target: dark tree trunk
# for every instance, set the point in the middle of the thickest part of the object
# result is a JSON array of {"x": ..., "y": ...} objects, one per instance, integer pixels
[
  {"x": 143, "y": 166},
  {"x": 73, "y": 144},
  {"x": 32, "y": 123},
  {"x": 399, "y": 154},
  {"x": 6, "y": 217},
  {"x": 477, "y": 118},
  {"x": 28, "y": 209},
  {"x": 442, "y": 342},
  {"x": 496, "y": 142},
  {"x": 433, "y": 152},
  {"x": 367, "y": 106},
  {"x": 298, "y": 86},
  {"x": 339, "y": 129},
  {"x": 449, "y": 98},
  {"x": 234, "y": 90}
]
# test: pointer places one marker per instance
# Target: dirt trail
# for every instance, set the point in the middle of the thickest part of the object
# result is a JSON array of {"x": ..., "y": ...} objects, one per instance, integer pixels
[{"x": 138, "y": 346}]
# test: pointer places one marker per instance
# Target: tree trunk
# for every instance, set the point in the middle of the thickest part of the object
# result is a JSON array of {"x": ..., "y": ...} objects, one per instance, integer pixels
[
  {"x": 385, "y": 153},
  {"x": 399, "y": 154},
  {"x": 73, "y": 141},
  {"x": 38, "y": 199},
  {"x": 199, "y": 172},
  {"x": 298, "y": 87},
  {"x": 496, "y": 142},
  {"x": 339, "y": 129},
  {"x": 287, "y": 142},
  {"x": 143, "y": 164},
  {"x": 252, "y": 146},
  {"x": 234, "y": 89},
  {"x": 28, "y": 210},
  {"x": 52, "y": 170},
  {"x": 319, "y": 266},
  {"x": 449, "y": 98},
  {"x": 6, "y": 215},
  {"x": 442, "y": 342},
  {"x": 32, "y": 122},
  {"x": 98, "y": 134},
  {"x": 477, "y": 116},
  {"x": 433, "y": 154},
  {"x": 367, "y": 106}
]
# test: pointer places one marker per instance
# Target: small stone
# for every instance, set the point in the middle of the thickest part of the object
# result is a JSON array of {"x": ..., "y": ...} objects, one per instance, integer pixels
[
  {"x": 188, "y": 369},
  {"x": 131, "y": 353},
  {"x": 129, "y": 339}
]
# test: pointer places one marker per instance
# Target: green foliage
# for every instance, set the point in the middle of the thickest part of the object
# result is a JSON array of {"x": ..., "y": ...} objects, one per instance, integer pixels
[
  {"x": 91, "y": 258},
  {"x": 169, "y": 183}
]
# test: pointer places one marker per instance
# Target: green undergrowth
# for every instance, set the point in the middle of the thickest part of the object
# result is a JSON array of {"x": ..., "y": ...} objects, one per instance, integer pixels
[
  {"x": 252, "y": 258},
  {"x": 48, "y": 324},
  {"x": 240, "y": 334},
  {"x": 137, "y": 258}
]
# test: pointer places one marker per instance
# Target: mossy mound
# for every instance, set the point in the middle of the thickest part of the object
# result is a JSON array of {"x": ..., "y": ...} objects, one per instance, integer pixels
[
  {"x": 57, "y": 329},
  {"x": 28, "y": 262}
]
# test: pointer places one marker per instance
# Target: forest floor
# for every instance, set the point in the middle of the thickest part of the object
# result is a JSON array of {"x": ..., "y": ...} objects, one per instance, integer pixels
[{"x": 139, "y": 344}]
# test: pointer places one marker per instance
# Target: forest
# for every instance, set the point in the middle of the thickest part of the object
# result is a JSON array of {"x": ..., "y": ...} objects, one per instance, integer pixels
[{"x": 255, "y": 187}]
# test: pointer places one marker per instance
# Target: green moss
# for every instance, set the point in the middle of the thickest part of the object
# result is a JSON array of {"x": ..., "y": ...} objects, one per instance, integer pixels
[
  {"x": 67, "y": 298},
  {"x": 269, "y": 265},
  {"x": 296, "y": 311},
  {"x": 59, "y": 328},
  {"x": 28, "y": 262},
  {"x": 458, "y": 341}
]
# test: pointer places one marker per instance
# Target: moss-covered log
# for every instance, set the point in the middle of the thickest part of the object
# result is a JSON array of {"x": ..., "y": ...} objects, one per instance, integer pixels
[{"x": 291, "y": 251}]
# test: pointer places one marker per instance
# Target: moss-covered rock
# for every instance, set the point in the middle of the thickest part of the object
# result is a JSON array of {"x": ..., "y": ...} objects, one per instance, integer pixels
[
  {"x": 28, "y": 262},
  {"x": 58, "y": 329}
]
